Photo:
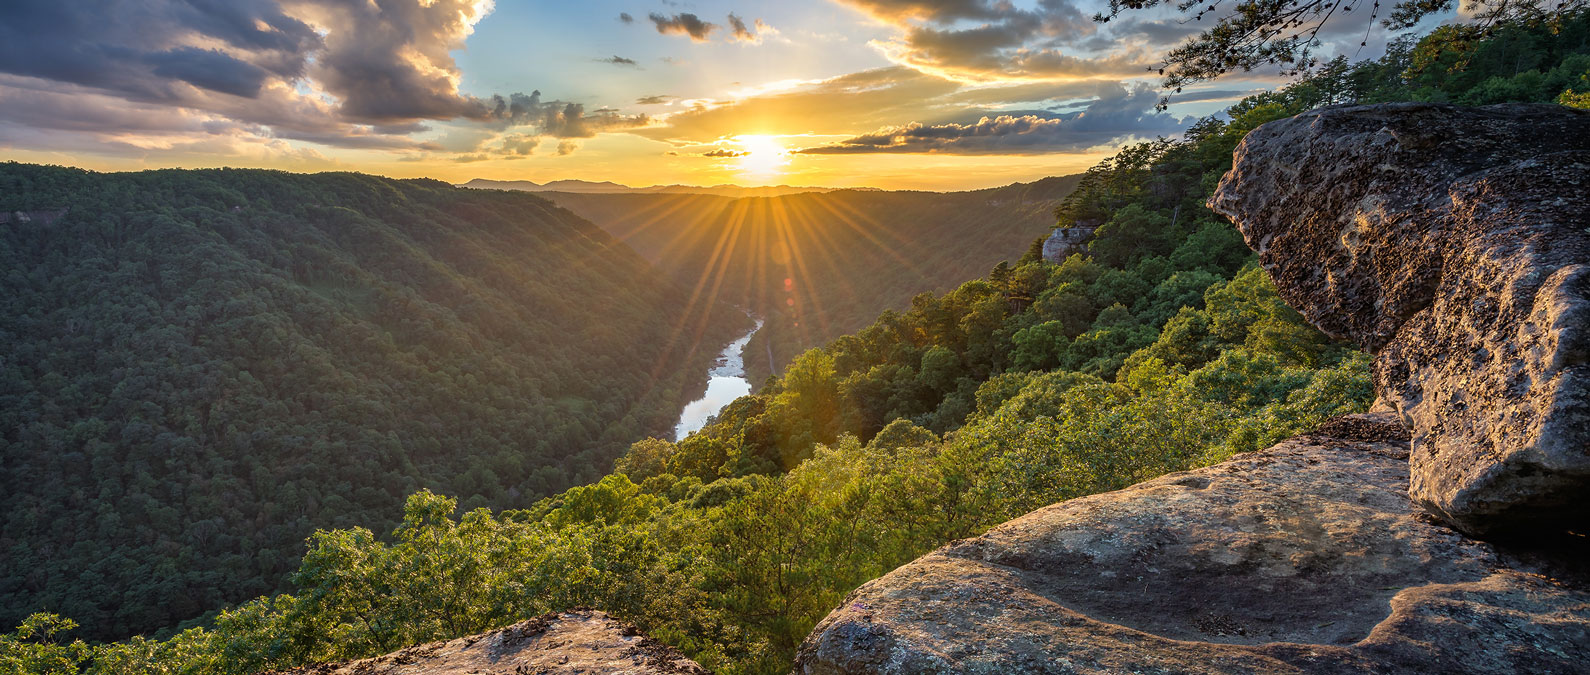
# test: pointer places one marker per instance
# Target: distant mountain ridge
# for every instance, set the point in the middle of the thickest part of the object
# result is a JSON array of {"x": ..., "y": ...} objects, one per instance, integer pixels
[
  {"x": 818, "y": 265},
  {"x": 609, "y": 187}
]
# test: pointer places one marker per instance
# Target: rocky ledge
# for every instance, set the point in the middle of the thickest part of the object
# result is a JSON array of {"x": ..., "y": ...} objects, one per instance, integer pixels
[
  {"x": 1306, "y": 557},
  {"x": 580, "y": 641},
  {"x": 1454, "y": 243}
]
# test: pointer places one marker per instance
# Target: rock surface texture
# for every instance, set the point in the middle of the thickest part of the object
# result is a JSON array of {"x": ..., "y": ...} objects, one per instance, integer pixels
[
  {"x": 1308, "y": 557},
  {"x": 579, "y": 641},
  {"x": 1454, "y": 243}
]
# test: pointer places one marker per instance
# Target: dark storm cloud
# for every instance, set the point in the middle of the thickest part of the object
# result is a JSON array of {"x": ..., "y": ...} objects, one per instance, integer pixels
[
  {"x": 1117, "y": 115},
  {"x": 684, "y": 24}
]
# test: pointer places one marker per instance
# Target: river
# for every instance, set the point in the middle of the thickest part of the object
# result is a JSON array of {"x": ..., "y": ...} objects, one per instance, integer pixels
[{"x": 726, "y": 382}]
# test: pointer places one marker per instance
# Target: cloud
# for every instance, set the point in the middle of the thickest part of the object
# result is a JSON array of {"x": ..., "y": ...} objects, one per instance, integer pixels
[
  {"x": 209, "y": 69},
  {"x": 131, "y": 47},
  {"x": 626, "y": 18},
  {"x": 700, "y": 30},
  {"x": 558, "y": 119},
  {"x": 992, "y": 41},
  {"x": 725, "y": 152},
  {"x": 619, "y": 61},
  {"x": 684, "y": 24},
  {"x": 655, "y": 100},
  {"x": 852, "y": 104},
  {"x": 521, "y": 145},
  {"x": 1118, "y": 115},
  {"x": 941, "y": 11},
  {"x": 332, "y": 72},
  {"x": 856, "y": 101},
  {"x": 739, "y": 32},
  {"x": 392, "y": 61}
]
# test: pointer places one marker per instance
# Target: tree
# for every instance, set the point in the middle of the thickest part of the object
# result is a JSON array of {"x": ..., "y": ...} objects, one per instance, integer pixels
[
  {"x": 646, "y": 458},
  {"x": 38, "y": 647},
  {"x": 1252, "y": 33}
]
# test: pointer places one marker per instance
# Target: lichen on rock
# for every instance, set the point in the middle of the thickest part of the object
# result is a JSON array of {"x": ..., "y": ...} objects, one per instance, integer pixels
[
  {"x": 1306, "y": 557},
  {"x": 577, "y": 641},
  {"x": 1454, "y": 243}
]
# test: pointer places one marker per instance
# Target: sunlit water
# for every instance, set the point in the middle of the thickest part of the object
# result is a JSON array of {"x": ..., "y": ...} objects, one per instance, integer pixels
[{"x": 726, "y": 382}]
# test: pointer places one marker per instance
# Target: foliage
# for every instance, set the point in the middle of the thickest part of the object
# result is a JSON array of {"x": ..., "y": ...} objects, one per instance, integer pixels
[
  {"x": 1254, "y": 33},
  {"x": 817, "y": 266},
  {"x": 1162, "y": 349},
  {"x": 201, "y": 367}
]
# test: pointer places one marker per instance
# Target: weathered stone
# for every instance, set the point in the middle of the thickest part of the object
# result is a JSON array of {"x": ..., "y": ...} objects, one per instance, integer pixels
[
  {"x": 1455, "y": 244},
  {"x": 1307, "y": 557},
  {"x": 580, "y": 641},
  {"x": 1064, "y": 241}
]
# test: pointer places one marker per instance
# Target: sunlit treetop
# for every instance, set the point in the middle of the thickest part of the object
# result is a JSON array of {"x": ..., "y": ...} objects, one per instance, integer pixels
[{"x": 1250, "y": 34}]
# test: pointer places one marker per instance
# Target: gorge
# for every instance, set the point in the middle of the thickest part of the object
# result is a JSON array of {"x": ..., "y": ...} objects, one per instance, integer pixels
[
  {"x": 1327, "y": 553},
  {"x": 1139, "y": 452},
  {"x": 726, "y": 381}
]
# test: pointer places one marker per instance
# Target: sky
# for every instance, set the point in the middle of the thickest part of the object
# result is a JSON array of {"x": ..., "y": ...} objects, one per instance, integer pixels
[{"x": 893, "y": 94}]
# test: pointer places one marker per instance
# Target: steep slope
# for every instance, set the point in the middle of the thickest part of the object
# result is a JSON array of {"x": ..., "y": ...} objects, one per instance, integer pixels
[
  {"x": 1446, "y": 231},
  {"x": 1451, "y": 243},
  {"x": 1307, "y": 557},
  {"x": 199, "y": 368},
  {"x": 1162, "y": 353},
  {"x": 822, "y": 265}
]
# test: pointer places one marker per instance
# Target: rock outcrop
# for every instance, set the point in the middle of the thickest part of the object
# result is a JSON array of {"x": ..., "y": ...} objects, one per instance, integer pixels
[
  {"x": 1307, "y": 557},
  {"x": 1454, "y": 243},
  {"x": 580, "y": 641},
  {"x": 1064, "y": 241}
]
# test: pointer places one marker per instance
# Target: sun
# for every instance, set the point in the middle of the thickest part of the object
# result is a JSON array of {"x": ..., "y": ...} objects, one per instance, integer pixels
[{"x": 764, "y": 155}]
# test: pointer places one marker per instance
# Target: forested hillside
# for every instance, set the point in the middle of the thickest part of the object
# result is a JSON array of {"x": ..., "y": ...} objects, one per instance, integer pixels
[
  {"x": 1162, "y": 348},
  {"x": 200, "y": 368},
  {"x": 820, "y": 265}
]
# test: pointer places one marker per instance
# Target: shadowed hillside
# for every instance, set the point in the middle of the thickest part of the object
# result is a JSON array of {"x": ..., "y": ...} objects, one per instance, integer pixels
[{"x": 200, "y": 368}]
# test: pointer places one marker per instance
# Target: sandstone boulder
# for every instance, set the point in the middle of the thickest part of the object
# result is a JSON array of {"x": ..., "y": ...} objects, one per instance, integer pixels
[
  {"x": 1455, "y": 244},
  {"x": 1307, "y": 557},
  {"x": 580, "y": 641}
]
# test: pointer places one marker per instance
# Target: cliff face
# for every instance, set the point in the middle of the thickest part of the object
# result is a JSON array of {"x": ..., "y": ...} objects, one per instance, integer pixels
[
  {"x": 579, "y": 641},
  {"x": 1454, "y": 243},
  {"x": 1307, "y": 557}
]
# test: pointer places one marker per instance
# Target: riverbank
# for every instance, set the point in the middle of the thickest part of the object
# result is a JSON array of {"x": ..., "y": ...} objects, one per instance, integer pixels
[{"x": 726, "y": 381}]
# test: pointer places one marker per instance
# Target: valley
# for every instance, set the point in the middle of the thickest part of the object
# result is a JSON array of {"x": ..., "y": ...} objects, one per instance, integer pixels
[
  {"x": 1296, "y": 386},
  {"x": 726, "y": 381},
  {"x": 201, "y": 368},
  {"x": 822, "y": 264}
]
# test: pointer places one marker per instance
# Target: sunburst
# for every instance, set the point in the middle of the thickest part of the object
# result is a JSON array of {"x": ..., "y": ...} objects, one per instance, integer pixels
[{"x": 764, "y": 156}]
